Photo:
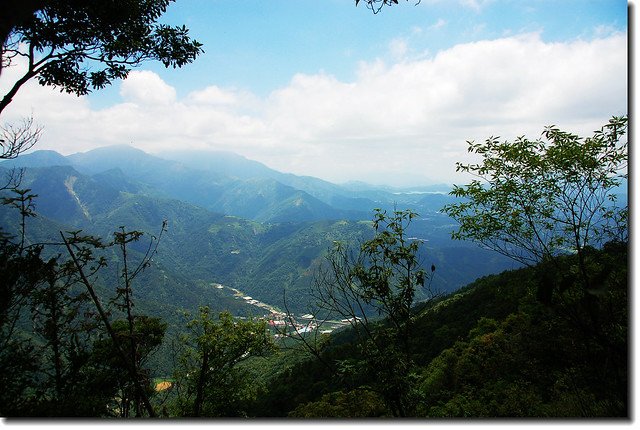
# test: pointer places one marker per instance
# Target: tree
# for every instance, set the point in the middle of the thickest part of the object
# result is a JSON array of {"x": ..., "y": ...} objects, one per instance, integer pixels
[
  {"x": 22, "y": 265},
  {"x": 359, "y": 403},
  {"x": 136, "y": 341},
  {"x": 21, "y": 269},
  {"x": 15, "y": 12},
  {"x": 381, "y": 278},
  {"x": 128, "y": 351},
  {"x": 535, "y": 200},
  {"x": 44, "y": 370},
  {"x": 146, "y": 337},
  {"x": 57, "y": 317},
  {"x": 208, "y": 380},
  {"x": 77, "y": 46},
  {"x": 50, "y": 362}
]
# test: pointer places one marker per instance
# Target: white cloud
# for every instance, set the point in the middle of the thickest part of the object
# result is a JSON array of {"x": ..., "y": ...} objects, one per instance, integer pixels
[
  {"x": 422, "y": 112},
  {"x": 438, "y": 24},
  {"x": 146, "y": 88},
  {"x": 601, "y": 31},
  {"x": 394, "y": 123},
  {"x": 224, "y": 97},
  {"x": 476, "y": 5},
  {"x": 398, "y": 48}
]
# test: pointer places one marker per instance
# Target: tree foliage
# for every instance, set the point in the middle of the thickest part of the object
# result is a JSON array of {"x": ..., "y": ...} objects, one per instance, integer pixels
[
  {"x": 381, "y": 278},
  {"x": 489, "y": 350},
  {"x": 139, "y": 342},
  {"x": 536, "y": 362},
  {"x": 21, "y": 269},
  {"x": 53, "y": 357},
  {"x": 132, "y": 349},
  {"x": 208, "y": 380},
  {"x": 536, "y": 199},
  {"x": 44, "y": 370},
  {"x": 359, "y": 403},
  {"x": 78, "y": 46}
]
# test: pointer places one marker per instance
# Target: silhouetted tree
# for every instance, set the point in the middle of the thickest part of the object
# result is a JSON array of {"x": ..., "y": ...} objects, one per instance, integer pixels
[
  {"x": 42, "y": 369},
  {"x": 143, "y": 334},
  {"x": 78, "y": 45},
  {"x": 381, "y": 278},
  {"x": 16, "y": 139},
  {"x": 129, "y": 395},
  {"x": 21, "y": 269}
]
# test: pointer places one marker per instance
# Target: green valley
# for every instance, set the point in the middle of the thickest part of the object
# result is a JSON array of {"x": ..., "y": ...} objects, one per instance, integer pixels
[{"x": 259, "y": 256}]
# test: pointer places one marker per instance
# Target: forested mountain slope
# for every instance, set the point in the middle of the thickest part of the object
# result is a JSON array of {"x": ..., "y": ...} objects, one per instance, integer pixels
[
  {"x": 262, "y": 238},
  {"x": 490, "y": 349}
]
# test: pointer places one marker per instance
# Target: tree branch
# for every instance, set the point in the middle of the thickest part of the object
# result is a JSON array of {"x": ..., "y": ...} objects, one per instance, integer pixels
[{"x": 133, "y": 373}]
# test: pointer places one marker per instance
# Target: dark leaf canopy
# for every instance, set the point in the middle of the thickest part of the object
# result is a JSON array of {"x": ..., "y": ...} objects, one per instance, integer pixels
[{"x": 78, "y": 46}]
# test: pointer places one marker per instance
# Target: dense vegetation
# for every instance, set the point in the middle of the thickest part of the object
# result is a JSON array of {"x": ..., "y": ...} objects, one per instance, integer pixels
[
  {"x": 90, "y": 326},
  {"x": 98, "y": 319},
  {"x": 490, "y": 350},
  {"x": 260, "y": 258}
]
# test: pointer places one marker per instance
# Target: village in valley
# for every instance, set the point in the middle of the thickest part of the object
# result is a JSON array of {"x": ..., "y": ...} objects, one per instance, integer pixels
[{"x": 284, "y": 324}]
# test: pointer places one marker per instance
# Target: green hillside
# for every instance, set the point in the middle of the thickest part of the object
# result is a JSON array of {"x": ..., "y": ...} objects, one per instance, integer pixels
[
  {"x": 263, "y": 259},
  {"x": 488, "y": 350}
]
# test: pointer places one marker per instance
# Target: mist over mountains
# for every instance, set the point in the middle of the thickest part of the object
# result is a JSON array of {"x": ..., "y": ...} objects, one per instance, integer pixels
[{"x": 231, "y": 220}]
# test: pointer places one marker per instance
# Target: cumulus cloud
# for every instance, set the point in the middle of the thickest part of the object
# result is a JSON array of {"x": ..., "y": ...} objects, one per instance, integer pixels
[
  {"x": 224, "y": 97},
  {"x": 423, "y": 112},
  {"x": 146, "y": 88},
  {"x": 399, "y": 122}
]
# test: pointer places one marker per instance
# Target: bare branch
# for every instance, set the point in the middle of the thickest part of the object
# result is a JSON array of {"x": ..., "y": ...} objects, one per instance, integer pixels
[
  {"x": 16, "y": 139},
  {"x": 13, "y": 179}
]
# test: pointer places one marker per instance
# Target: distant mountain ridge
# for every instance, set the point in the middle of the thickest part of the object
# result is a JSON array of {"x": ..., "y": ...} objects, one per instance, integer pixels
[
  {"x": 255, "y": 234},
  {"x": 40, "y": 158},
  {"x": 229, "y": 183}
]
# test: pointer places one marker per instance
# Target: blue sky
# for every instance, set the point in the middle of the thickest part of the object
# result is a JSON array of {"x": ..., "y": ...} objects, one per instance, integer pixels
[
  {"x": 259, "y": 45},
  {"x": 328, "y": 89}
]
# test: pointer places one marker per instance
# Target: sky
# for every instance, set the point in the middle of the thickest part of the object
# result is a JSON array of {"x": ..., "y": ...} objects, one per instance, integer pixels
[{"x": 328, "y": 89}]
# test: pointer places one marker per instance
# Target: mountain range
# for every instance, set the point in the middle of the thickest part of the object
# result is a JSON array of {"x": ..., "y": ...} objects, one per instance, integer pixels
[{"x": 231, "y": 221}]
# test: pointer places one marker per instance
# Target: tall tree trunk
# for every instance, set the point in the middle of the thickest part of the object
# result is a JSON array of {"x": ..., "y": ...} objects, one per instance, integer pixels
[{"x": 202, "y": 378}]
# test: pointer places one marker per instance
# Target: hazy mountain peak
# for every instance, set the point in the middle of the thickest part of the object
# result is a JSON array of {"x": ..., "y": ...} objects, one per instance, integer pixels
[
  {"x": 131, "y": 160},
  {"x": 40, "y": 158},
  {"x": 222, "y": 162},
  {"x": 122, "y": 147}
]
